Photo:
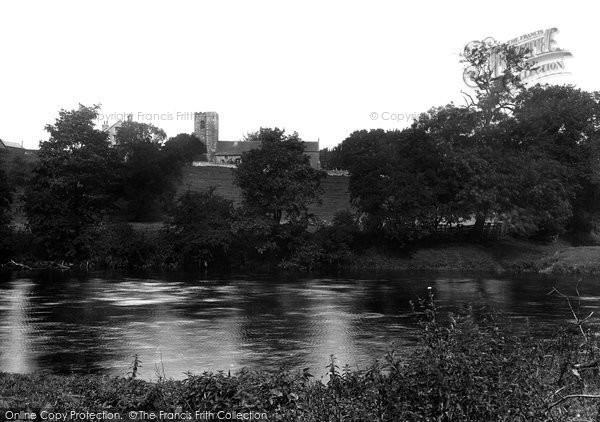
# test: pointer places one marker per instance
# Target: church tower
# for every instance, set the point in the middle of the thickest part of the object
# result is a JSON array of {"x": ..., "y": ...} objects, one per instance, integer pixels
[{"x": 206, "y": 127}]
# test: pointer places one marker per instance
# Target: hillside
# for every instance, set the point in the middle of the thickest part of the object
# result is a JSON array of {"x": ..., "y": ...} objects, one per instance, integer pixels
[{"x": 335, "y": 196}]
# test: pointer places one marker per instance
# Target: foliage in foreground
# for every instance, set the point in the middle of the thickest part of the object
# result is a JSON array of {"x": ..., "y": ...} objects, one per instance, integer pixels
[{"x": 465, "y": 370}]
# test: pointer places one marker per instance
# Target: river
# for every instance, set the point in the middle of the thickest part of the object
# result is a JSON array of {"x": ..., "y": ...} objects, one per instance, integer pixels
[{"x": 180, "y": 323}]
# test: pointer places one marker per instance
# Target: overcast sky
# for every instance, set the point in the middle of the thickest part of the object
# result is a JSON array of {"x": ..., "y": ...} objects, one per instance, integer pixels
[{"x": 316, "y": 67}]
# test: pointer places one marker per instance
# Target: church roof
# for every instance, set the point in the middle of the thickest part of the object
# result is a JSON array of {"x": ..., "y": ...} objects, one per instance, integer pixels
[
  {"x": 239, "y": 147},
  {"x": 235, "y": 148}
]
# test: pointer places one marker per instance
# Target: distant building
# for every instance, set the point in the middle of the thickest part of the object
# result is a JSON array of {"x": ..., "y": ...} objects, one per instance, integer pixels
[
  {"x": 15, "y": 148},
  {"x": 206, "y": 127},
  {"x": 7, "y": 144},
  {"x": 112, "y": 130}
]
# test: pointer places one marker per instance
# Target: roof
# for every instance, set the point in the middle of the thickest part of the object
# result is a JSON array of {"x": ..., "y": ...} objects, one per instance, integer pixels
[
  {"x": 239, "y": 147},
  {"x": 236, "y": 148},
  {"x": 117, "y": 125},
  {"x": 8, "y": 144}
]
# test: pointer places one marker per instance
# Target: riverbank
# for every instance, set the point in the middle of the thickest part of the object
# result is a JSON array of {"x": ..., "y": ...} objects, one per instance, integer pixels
[
  {"x": 505, "y": 256},
  {"x": 509, "y": 377},
  {"x": 498, "y": 257}
]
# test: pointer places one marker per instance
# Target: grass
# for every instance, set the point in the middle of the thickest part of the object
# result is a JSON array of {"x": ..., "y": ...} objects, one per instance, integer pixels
[
  {"x": 507, "y": 255},
  {"x": 570, "y": 260},
  {"x": 335, "y": 195}
]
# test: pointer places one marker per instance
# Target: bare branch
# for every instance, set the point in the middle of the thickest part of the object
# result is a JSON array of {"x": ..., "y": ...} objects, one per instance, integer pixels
[{"x": 573, "y": 396}]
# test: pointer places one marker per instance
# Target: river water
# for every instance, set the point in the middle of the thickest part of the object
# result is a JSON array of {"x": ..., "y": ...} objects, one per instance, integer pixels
[{"x": 181, "y": 323}]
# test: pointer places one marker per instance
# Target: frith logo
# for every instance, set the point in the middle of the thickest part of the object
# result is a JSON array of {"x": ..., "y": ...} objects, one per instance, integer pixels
[{"x": 543, "y": 55}]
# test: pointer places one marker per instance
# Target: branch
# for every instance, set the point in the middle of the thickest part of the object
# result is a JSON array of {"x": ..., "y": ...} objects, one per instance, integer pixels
[
  {"x": 573, "y": 396},
  {"x": 578, "y": 321},
  {"x": 25, "y": 267},
  {"x": 470, "y": 98}
]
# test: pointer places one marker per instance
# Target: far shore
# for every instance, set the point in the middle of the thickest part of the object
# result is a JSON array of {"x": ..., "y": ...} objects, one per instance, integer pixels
[{"x": 506, "y": 256}]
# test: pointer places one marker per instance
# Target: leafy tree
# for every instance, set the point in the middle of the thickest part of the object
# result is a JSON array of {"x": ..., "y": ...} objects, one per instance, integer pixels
[
  {"x": 6, "y": 196},
  {"x": 360, "y": 145},
  {"x": 401, "y": 183},
  {"x": 147, "y": 173},
  {"x": 338, "y": 240},
  {"x": 470, "y": 157},
  {"x": 70, "y": 190},
  {"x": 185, "y": 147},
  {"x": 494, "y": 70},
  {"x": 201, "y": 227},
  {"x": 6, "y": 191},
  {"x": 447, "y": 169},
  {"x": 332, "y": 159},
  {"x": 561, "y": 124},
  {"x": 133, "y": 133},
  {"x": 496, "y": 175},
  {"x": 19, "y": 169},
  {"x": 277, "y": 180}
]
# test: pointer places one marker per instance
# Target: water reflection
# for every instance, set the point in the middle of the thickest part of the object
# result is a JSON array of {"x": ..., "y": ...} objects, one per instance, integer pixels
[
  {"x": 182, "y": 324},
  {"x": 16, "y": 329}
]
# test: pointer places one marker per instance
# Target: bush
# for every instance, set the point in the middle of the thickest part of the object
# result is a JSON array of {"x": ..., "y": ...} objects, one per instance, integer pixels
[
  {"x": 200, "y": 231},
  {"x": 120, "y": 246},
  {"x": 330, "y": 246}
]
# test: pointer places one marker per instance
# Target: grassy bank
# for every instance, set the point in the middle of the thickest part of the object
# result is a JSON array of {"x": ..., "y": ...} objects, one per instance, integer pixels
[
  {"x": 466, "y": 370},
  {"x": 198, "y": 179},
  {"x": 139, "y": 248},
  {"x": 512, "y": 256}
]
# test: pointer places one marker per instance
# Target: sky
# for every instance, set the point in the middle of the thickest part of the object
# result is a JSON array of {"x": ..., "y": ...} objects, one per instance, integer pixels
[{"x": 321, "y": 68}]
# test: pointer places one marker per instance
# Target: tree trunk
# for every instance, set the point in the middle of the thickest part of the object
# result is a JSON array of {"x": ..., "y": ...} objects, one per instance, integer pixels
[{"x": 477, "y": 231}]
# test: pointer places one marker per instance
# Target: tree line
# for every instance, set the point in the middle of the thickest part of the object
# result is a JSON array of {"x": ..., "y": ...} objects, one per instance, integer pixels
[
  {"x": 83, "y": 192},
  {"x": 527, "y": 158},
  {"x": 535, "y": 169}
]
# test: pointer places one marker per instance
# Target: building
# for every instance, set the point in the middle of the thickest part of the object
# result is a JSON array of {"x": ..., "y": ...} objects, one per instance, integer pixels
[
  {"x": 112, "y": 130},
  {"x": 15, "y": 148},
  {"x": 206, "y": 128},
  {"x": 7, "y": 144}
]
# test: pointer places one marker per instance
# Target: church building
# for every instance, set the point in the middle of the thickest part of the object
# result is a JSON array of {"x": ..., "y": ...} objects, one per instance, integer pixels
[{"x": 206, "y": 127}]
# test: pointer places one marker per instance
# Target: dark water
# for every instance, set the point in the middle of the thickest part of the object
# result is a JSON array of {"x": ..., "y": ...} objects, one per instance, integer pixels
[{"x": 183, "y": 323}]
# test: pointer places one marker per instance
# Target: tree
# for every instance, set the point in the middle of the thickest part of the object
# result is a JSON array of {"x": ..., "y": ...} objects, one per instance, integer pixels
[
  {"x": 201, "y": 227},
  {"x": 185, "y": 147},
  {"x": 6, "y": 196},
  {"x": 446, "y": 169},
  {"x": 133, "y": 133},
  {"x": 360, "y": 145},
  {"x": 494, "y": 70},
  {"x": 6, "y": 192},
  {"x": 498, "y": 174},
  {"x": 277, "y": 180},
  {"x": 147, "y": 173},
  {"x": 332, "y": 159},
  {"x": 401, "y": 183},
  {"x": 72, "y": 184},
  {"x": 561, "y": 124}
]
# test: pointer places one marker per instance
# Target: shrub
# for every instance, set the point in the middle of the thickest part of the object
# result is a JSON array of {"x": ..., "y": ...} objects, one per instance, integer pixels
[
  {"x": 200, "y": 230},
  {"x": 120, "y": 246}
]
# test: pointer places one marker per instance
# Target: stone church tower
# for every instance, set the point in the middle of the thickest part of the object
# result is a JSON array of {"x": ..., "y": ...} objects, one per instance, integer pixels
[{"x": 206, "y": 127}]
